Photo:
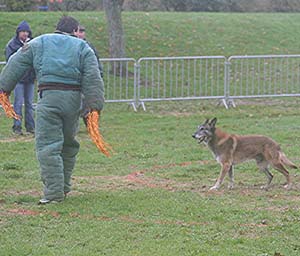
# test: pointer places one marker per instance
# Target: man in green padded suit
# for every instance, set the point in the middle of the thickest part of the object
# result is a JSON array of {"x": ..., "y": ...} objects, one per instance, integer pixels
[{"x": 65, "y": 67}]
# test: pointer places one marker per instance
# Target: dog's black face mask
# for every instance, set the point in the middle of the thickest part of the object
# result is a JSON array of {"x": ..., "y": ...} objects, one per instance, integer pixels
[{"x": 205, "y": 131}]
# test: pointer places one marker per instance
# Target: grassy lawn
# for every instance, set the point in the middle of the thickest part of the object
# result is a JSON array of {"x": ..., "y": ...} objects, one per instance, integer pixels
[
  {"x": 151, "y": 197},
  {"x": 176, "y": 34}
]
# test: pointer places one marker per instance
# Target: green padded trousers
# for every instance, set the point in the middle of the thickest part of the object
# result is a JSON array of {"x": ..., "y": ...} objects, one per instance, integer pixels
[{"x": 57, "y": 117}]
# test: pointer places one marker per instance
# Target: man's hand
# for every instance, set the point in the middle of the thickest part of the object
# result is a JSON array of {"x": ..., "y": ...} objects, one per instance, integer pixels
[
  {"x": 4, "y": 92},
  {"x": 85, "y": 114},
  {"x": 4, "y": 101}
]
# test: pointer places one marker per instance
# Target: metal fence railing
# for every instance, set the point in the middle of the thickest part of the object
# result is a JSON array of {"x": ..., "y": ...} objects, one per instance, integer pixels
[
  {"x": 119, "y": 77},
  {"x": 180, "y": 78},
  {"x": 199, "y": 77},
  {"x": 264, "y": 76}
]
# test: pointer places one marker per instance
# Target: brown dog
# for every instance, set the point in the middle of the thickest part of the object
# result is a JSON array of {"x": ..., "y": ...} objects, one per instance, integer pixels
[{"x": 231, "y": 149}]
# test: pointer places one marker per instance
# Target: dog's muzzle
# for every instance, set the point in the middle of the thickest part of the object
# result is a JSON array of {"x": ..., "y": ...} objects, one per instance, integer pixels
[{"x": 199, "y": 138}]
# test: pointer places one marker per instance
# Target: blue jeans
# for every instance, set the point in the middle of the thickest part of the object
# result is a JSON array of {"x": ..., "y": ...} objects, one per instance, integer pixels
[{"x": 24, "y": 93}]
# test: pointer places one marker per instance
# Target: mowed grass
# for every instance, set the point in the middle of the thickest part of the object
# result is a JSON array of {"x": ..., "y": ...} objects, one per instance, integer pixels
[
  {"x": 176, "y": 34},
  {"x": 151, "y": 197}
]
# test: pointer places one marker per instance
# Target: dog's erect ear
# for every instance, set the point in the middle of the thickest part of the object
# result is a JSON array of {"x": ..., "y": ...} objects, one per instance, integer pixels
[
  {"x": 213, "y": 122},
  {"x": 206, "y": 122}
]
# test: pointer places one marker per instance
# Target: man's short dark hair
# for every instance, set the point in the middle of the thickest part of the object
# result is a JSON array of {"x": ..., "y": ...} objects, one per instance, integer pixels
[
  {"x": 81, "y": 28},
  {"x": 67, "y": 24}
]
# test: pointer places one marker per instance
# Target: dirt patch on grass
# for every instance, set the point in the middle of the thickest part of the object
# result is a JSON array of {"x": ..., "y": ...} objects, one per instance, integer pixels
[
  {"x": 75, "y": 215},
  {"x": 125, "y": 218},
  {"x": 130, "y": 219},
  {"x": 28, "y": 212},
  {"x": 25, "y": 212},
  {"x": 138, "y": 180},
  {"x": 133, "y": 181},
  {"x": 30, "y": 192},
  {"x": 25, "y": 138}
]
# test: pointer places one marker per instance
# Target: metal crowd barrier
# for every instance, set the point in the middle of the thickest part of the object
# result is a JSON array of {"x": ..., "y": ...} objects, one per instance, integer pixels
[
  {"x": 119, "y": 77},
  {"x": 199, "y": 77},
  {"x": 180, "y": 78},
  {"x": 263, "y": 76}
]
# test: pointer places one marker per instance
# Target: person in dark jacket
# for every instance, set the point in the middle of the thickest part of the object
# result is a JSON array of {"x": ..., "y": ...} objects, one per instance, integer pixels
[
  {"x": 66, "y": 67},
  {"x": 81, "y": 34},
  {"x": 24, "y": 91}
]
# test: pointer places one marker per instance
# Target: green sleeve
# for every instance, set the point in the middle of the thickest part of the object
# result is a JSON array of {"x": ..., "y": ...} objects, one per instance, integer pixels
[
  {"x": 15, "y": 68},
  {"x": 92, "y": 84}
]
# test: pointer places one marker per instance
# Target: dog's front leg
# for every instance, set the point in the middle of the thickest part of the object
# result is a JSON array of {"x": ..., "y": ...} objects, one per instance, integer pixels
[{"x": 225, "y": 168}]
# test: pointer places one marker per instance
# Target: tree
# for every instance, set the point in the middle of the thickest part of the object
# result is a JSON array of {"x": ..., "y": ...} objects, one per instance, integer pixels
[{"x": 113, "y": 9}]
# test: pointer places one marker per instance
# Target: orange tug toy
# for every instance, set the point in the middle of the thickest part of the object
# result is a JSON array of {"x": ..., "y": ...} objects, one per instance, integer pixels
[
  {"x": 93, "y": 130},
  {"x": 92, "y": 124},
  {"x": 9, "y": 110}
]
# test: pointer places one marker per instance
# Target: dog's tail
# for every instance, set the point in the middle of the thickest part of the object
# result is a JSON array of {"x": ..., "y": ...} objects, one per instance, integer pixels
[{"x": 284, "y": 160}]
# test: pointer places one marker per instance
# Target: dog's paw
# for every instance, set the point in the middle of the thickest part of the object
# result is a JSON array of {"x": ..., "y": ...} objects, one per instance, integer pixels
[
  {"x": 288, "y": 186},
  {"x": 265, "y": 187},
  {"x": 214, "y": 188},
  {"x": 230, "y": 186}
]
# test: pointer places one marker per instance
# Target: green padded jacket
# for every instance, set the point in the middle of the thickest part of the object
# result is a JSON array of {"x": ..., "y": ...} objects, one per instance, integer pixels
[{"x": 57, "y": 59}]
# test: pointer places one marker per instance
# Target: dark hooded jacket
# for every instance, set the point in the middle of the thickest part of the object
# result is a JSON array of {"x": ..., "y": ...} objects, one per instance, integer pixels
[
  {"x": 97, "y": 55},
  {"x": 14, "y": 44}
]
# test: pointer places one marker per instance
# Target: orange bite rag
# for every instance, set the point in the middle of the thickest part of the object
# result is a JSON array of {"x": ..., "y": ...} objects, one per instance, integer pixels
[
  {"x": 9, "y": 110},
  {"x": 93, "y": 130}
]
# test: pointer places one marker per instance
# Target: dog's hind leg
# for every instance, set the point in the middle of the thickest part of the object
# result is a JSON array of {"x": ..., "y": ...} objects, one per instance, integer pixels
[
  {"x": 281, "y": 168},
  {"x": 231, "y": 177},
  {"x": 263, "y": 165},
  {"x": 269, "y": 177}
]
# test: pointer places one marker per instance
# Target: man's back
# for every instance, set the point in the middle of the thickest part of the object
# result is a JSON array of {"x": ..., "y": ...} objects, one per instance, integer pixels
[{"x": 58, "y": 58}]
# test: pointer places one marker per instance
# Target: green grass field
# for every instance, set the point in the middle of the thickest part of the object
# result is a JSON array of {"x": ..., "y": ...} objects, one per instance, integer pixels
[
  {"x": 176, "y": 34},
  {"x": 151, "y": 197}
]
